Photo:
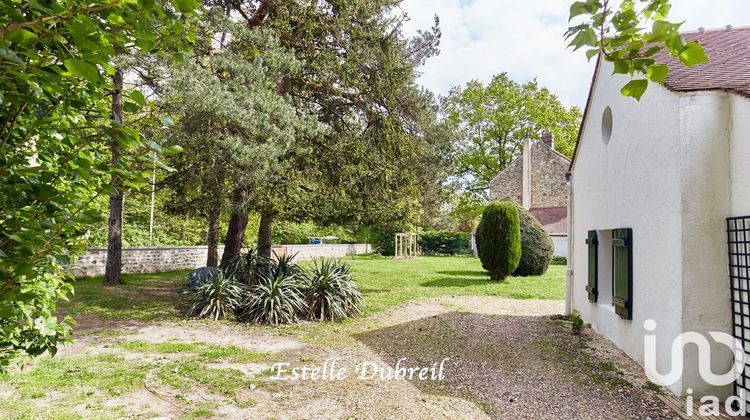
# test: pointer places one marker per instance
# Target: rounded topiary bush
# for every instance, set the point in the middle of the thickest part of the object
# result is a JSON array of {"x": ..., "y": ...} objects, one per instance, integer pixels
[
  {"x": 499, "y": 239},
  {"x": 537, "y": 248}
]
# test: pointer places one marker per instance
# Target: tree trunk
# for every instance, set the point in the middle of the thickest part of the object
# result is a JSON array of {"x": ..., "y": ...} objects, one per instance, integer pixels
[
  {"x": 214, "y": 215},
  {"x": 114, "y": 236},
  {"x": 236, "y": 228},
  {"x": 264, "y": 234}
]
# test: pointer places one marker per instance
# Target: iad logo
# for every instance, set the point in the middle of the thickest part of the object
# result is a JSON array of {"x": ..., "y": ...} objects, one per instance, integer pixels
[{"x": 704, "y": 356}]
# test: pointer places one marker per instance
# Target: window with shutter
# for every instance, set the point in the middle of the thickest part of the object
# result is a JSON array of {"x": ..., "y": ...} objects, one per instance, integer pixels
[
  {"x": 622, "y": 267},
  {"x": 593, "y": 245}
]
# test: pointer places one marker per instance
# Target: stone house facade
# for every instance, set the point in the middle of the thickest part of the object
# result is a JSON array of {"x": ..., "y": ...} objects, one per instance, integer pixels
[{"x": 537, "y": 181}]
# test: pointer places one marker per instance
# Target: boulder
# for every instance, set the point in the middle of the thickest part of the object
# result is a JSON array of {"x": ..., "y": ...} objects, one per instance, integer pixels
[{"x": 201, "y": 275}]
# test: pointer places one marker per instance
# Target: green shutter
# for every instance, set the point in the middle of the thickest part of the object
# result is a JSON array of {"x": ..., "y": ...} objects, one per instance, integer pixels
[
  {"x": 622, "y": 270},
  {"x": 593, "y": 245}
]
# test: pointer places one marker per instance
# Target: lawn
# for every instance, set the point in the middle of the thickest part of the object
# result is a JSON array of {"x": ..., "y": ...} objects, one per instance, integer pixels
[
  {"x": 384, "y": 282},
  {"x": 135, "y": 352}
]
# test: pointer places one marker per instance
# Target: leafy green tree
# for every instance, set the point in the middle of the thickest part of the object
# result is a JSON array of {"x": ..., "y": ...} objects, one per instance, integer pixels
[
  {"x": 629, "y": 34},
  {"x": 237, "y": 131},
  {"x": 357, "y": 77},
  {"x": 55, "y": 68},
  {"x": 493, "y": 120}
]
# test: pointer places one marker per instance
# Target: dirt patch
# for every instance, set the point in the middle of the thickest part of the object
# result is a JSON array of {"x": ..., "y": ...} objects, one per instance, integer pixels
[
  {"x": 250, "y": 370},
  {"x": 221, "y": 335}
]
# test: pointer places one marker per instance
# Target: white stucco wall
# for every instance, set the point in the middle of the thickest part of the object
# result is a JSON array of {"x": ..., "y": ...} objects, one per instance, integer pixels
[
  {"x": 740, "y": 155},
  {"x": 705, "y": 185},
  {"x": 561, "y": 245},
  {"x": 632, "y": 182},
  {"x": 673, "y": 171}
]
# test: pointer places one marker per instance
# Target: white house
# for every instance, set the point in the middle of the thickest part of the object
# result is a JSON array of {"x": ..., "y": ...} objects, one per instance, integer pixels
[{"x": 651, "y": 187}]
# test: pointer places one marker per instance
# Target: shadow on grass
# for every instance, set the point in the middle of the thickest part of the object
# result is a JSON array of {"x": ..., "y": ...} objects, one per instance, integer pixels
[
  {"x": 458, "y": 282},
  {"x": 464, "y": 273}
]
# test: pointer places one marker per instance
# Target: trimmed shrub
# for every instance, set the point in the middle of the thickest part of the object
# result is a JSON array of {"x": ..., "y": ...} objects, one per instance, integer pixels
[
  {"x": 557, "y": 260},
  {"x": 445, "y": 243},
  {"x": 499, "y": 239},
  {"x": 537, "y": 248},
  {"x": 273, "y": 300},
  {"x": 216, "y": 298},
  {"x": 330, "y": 291}
]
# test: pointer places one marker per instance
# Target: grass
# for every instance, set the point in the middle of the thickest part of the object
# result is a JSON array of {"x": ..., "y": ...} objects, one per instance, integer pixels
[
  {"x": 61, "y": 387},
  {"x": 140, "y": 297},
  {"x": 384, "y": 282},
  {"x": 203, "y": 352}
]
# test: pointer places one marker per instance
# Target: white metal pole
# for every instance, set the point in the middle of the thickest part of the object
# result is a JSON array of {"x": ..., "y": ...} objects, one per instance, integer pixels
[{"x": 153, "y": 193}]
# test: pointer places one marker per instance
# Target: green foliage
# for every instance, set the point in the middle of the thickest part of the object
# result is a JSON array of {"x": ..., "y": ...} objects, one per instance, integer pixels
[
  {"x": 445, "y": 243},
  {"x": 273, "y": 300},
  {"x": 56, "y": 59},
  {"x": 330, "y": 291},
  {"x": 492, "y": 120},
  {"x": 537, "y": 247},
  {"x": 246, "y": 268},
  {"x": 499, "y": 239},
  {"x": 382, "y": 240},
  {"x": 576, "y": 323},
  {"x": 630, "y": 36},
  {"x": 216, "y": 298},
  {"x": 558, "y": 260}
]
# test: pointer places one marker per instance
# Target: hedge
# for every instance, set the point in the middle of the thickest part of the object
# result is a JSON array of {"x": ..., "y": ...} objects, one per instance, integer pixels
[{"x": 445, "y": 242}]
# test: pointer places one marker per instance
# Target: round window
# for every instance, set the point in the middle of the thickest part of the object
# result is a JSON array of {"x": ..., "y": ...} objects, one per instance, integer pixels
[{"x": 607, "y": 125}]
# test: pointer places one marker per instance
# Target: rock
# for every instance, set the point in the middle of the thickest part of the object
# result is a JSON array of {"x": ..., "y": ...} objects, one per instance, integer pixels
[{"x": 201, "y": 275}]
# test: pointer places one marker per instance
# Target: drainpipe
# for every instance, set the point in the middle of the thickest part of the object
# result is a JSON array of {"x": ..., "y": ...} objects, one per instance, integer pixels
[{"x": 569, "y": 269}]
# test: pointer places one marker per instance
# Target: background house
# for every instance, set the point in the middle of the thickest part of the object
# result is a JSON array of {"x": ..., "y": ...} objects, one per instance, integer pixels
[
  {"x": 653, "y": 183},
  {"x": 536, "y": 180}
]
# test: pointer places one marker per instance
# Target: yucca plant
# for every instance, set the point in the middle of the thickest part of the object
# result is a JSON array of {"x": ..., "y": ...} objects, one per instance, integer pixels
[
  {"x": 330, "y": 292},
  {"x": 246, "y": 267},
  {"x": 215, "y": 298},
  {"x": 284, "y": 264},
  {"x": 272, "y": 300}
]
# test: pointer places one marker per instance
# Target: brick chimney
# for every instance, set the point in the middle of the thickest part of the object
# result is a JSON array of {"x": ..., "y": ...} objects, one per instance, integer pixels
[{"x": 548, "y": 139}]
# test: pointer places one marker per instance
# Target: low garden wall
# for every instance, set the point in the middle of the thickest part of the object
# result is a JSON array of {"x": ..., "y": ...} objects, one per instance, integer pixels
[{"x": 159, "y": 259}]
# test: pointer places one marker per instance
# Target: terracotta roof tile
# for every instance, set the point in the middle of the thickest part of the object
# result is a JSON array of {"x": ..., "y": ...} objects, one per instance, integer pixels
[
  {"x": 728, "y": 67},
  {"x": 553, "y": 219}
]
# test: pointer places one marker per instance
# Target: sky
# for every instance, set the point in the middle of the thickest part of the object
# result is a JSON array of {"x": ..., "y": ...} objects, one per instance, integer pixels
[{"x": 481, "y": 38}]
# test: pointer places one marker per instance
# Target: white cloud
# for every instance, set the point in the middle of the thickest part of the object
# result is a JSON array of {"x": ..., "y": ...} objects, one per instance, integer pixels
[{"x": 525, "y": 38}]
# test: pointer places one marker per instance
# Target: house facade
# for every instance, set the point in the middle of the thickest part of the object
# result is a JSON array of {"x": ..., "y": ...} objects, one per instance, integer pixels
[
  {"x": 653, "y": 187},
  {"x": 536, "y": 180}
]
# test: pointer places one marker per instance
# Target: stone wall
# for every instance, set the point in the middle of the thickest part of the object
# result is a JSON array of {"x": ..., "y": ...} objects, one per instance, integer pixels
[
  {"x": 509, "y": 183},
  {"x": 548, "y": 169},
  {"x": 159, "y": 259}
]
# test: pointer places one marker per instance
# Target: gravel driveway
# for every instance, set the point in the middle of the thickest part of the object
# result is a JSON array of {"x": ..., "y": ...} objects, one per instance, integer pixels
[{"x": 521, "y": 366}]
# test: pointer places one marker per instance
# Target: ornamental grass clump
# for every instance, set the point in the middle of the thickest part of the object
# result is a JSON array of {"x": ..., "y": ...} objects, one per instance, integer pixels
[
  {"x": 216, "y": 298},
  {"x": 330, "y": 292},
  {"x": 499, "y": 239},
  {"x": 273, "y": 300}
]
